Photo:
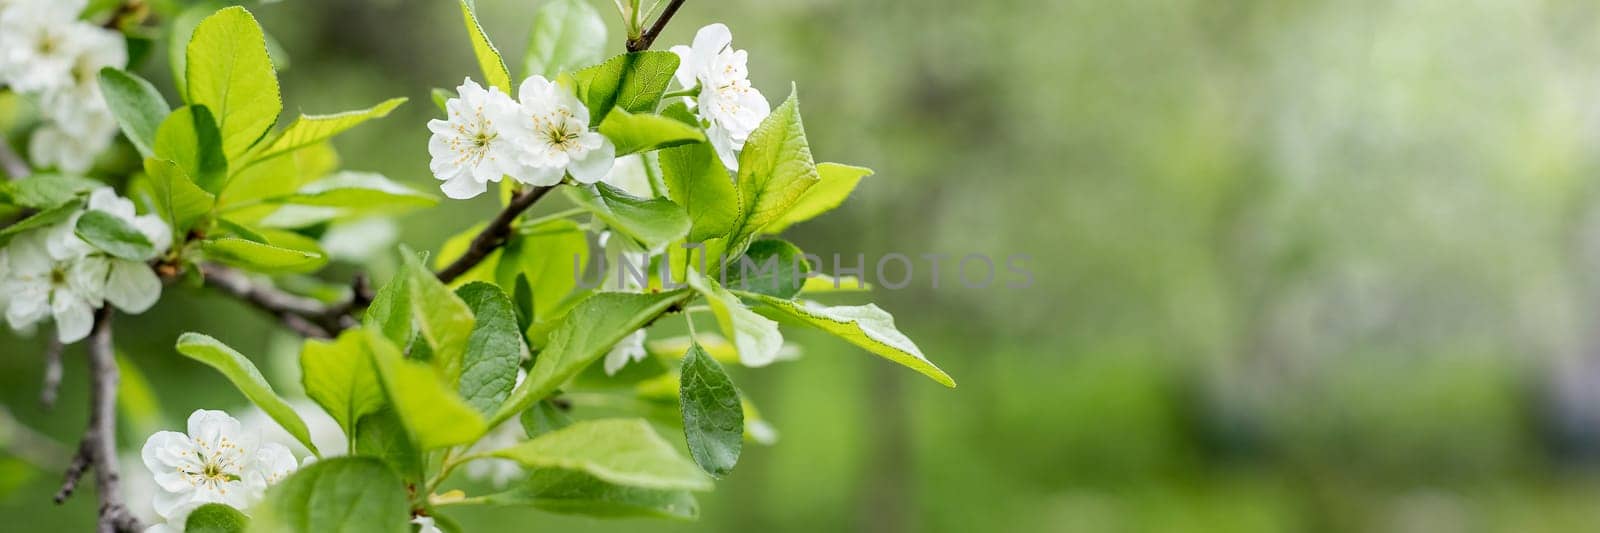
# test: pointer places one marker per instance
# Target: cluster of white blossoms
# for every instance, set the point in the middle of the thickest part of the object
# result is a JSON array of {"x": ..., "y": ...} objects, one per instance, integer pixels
[
  {"x": 50, "y": 55},
  {"x": 728, "y": 104},
  {"x": 537, "y": 139},
  {"x": 216, "y": 461},
  {"x": 50, "y": 272}
]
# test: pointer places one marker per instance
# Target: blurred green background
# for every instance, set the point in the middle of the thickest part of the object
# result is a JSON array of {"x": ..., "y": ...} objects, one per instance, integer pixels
[{"x": 1299, "y": 265}]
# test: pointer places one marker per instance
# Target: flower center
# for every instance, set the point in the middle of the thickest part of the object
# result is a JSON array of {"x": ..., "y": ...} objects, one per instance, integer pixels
[
  {"x": 58, "y": 276},
  {"x": 561, "y": 138}
]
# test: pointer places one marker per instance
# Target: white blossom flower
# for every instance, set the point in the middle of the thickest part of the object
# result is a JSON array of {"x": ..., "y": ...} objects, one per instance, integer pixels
[
  {"x": 470, "y": 149},
  {"x": 425, "y": 525},
  {"x": 52, "y": 146},
  {"x": 630, "y": 260},
  {"x": 128, "y": 284},
  {"x": 552, "y": 131},
  {"x": 727, "y": 101},
  {"x": 36, "y": 43},
  {"x": 77, "y": 107},
  {"x": 215, "y": 462},
  {"x": 629, "y": 349},
  {"x": 38, "y": 286}
]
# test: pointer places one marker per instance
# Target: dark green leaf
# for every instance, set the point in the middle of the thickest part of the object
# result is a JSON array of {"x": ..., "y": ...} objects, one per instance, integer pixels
[
  {"x": 382, "y": 435},
  {"x": 772, "y": 267},
  {"x": 696, "y": 180},
  {"x": 544, "y": 417},
  {"x": 634, "y": 82},
  {"x": 215, "y": 518},
  {"x": 489, "y": 368},
  {"x": 113, "y": 235},
  {"x": 713, "y": 416},
  {"x": 654, "y": 222},
  {"x": 339, "y": 376},
  {"x": 429, "y": 408},
  {"x": 137, "y": 106},
  {"x": 573, "y": 492},
  {"x": 621, "y": 451},
  {"x": 343, "y": 494}
]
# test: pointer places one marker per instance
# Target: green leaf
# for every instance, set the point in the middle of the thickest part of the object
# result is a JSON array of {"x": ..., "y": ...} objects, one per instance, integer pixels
[
  {"x": 633, "y": 81},
  {"x": 544, "y": 417},
  {"x": 244, "y": 376},
  {"x": 137, "y": 106},
  {"x": 390, "y": 310},
  {"x": 834, "y": 185},
  {"x": 113, "y": 235},
  {"x": 773, "y": 267},
  {"x": 441, "y": 317},
  {"x": 344, "y": 494},
  {"x": 180, "y": 31},
  {"x": 178, "y": 200},
  {"x": 263, "y": 257},
  {"x": 339, "y": 376},
  {"x": 190, "y": 138},
  {"x": 775, "y": 170},
  {"x": 654, "y": 222},
  {"x": 312, "y": 129},
  {"x": 713, "y": 415},
  {"x": 428, "y": 406},
  {"x": 572, "y": 492},
  {"x": 441, "y": 97},
  {"x": 621, "y": 451},
  {"x": 757, "y": 338},
  {"x": 866, "y": 326},
  {"x": 215, "y": 518},
  {"x": 633, "y": 133},
  {"x": 44, "y": 191},
  {"x": 489, "y": 368},
  {"x": 363, "y": 191},
  {"x": 696, "y": 180},
  {"x": 566, "y": 34},
  {"x": 544, "y": 254},
  {"x": 230, "y": 72},
  {"x": 494, "y": 68},
  {"x": 48, "y": 217},
  {"x": 383, "y": 436},
  {"x": 276, "y": 177},
  {"x": 586, "y": 333}
]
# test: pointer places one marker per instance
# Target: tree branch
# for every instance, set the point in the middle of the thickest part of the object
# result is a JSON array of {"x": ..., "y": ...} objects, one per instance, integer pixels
[
  {"x": 98, "y": 450},
  {"x": 308, "y": 317},
  {"x": 493, "y": 235},
  {"x": 643, "y": 41}
]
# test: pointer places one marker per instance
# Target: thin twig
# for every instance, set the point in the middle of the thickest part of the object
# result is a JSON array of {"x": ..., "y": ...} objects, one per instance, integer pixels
[
  {"x": 493, "y": 235},
  {"x": 52, "y": 373},
  {"x": 98, "y": 450},
  {"x": 13, "y": 165},
  {"x": 643, "y": 42}
]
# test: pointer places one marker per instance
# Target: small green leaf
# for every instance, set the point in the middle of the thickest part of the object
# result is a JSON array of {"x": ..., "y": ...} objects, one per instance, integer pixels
[
  {"x": 866, "y": 326},
  {"x": 44, "y": 191},
  {"x": 390, "y": 310},
  {"x": 178, "y": 200},
  {"x": 633, "y": 133},
  {"x": 696, "y": 180},
  {"x": 190, "y": 138},
  {"x": 572, "y": 492},
  {"x": 339, "y": 376},
  {"x": 757, "y": 338},
  {"x": 494, "y": 68},
  {"x": 713, "y": 415},
  {"x": 621, "y": 451},
  {"x": 544, "y": 417},
  {"x": 586, "y": 333},
  {"x": 137, "y": 106},
  {"x": 654, "y": 222},
  {"x": 362, "y": 191},
  {"x": 312, "y": 129},
  {"x": 41, "y": 219},
  {"x": 344, "y": 494},
  {"x": 489, "y": 368},
  {"x": 834, "y": 185},
  {"x": 215, "y": 518},
  {"x": 113, "y": 235},
  {"x": 441, "y": 97},
  {"x": 773, "y": 267},
  {"x": 263, "y": 257},
  {"x": 432, "y": 412},
  {"x": 441, "y": 317},
  {"x": 566, "y": 34},
  {"x": 244, "y": 376},
  {"x": 633, "y": 81},
  {"x": 823, "y": 283},
  {"x": 383, "y": 436},
  {"x": 230, "y": 72},
  {"x": 775, "y": 170}
]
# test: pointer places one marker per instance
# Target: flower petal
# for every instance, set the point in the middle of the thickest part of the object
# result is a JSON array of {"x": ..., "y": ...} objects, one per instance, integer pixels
[
  {"x": 463, "y": 186},
  {"x": 74, "y": 318},
  {"x": 132, "y": 286},
  {"x": 594, "y": 164}
]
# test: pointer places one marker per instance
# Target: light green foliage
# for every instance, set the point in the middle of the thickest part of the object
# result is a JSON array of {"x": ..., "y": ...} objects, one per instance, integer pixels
[
  {"x": 426, "y": 404},
  {"x": 755, "y": 337},
  {"x": 276, "y": 177},
  {"x": 544, "y": 255},
  {"x": 382, "y": 435},
  {"x": 585, "y": 334},
  {"x": 137, "y": 106},
  {"x": 216, "y": 518},
  {"x": 44, "y": 191},
  {"x": 652, "y": 222},
  {"x": 244, "y": 376},
  {"x": 339, "y": 376},
  {"x": 312, "y": 129},
  {"x": 41, "y": 219},
  {"x": 361, "y": 192},
  {"x": 178, "y": 200},
  {"x": 566, "y": 34},
  {"x": 713, "y": 416},
  {"x": 620, "y": 451},
  {"x": 113, "y": 235},
  {"x": 190, "y": 138},
  {"x": 344, "y": 494},
  {"x": 633, "y": 81},
  {"x": 542, "y": 418},
  {"x": 835, "y": 182},
  {"x": 494, "y": 67},
  {"x": 640, "y": 132},
  {"x": 230, "y": 72},
  {"x": 271, "y": 257},
  {"x": 574, "y": 492},
  {"x": 866, "y": 326},
  {"x": 775, "y": 170},
  {"x": 489, "y": 367},
  {"x": 773, "y": 267},
  {"x": 696, "y": 180},
  {"x": 444, "y": 321}
]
